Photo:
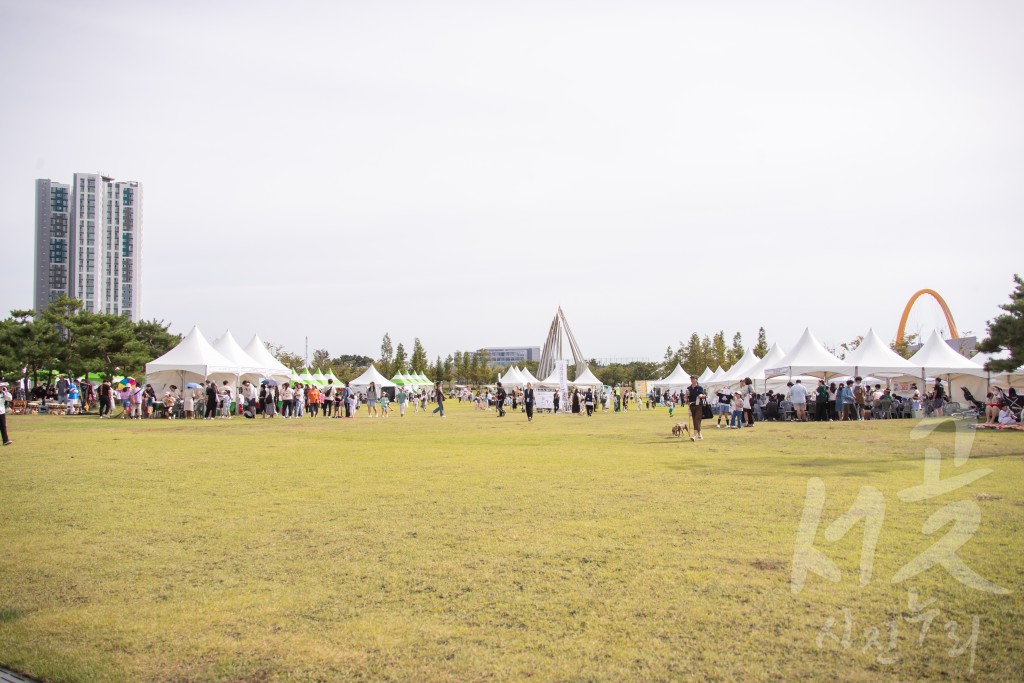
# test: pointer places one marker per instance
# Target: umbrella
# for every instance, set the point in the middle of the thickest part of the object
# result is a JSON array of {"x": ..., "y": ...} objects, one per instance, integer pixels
[
  {"x": 192, "y": 385},
  {"x": 127, "y": 381}
]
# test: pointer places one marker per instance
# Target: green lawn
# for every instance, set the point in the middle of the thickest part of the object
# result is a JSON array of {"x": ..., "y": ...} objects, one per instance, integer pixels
[{"x": 473, "y": 548}]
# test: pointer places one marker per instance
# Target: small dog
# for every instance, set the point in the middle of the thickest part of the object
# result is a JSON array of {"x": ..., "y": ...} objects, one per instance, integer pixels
[{"x": 678, "y": 429}]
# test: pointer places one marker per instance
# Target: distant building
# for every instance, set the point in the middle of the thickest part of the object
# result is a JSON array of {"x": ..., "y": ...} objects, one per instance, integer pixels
[
  {"x": 508, "y": 355},
  {"x": 88, "y": 244}
]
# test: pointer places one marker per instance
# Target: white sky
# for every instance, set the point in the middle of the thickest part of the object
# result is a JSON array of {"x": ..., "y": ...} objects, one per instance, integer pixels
[{"x": 456, "y": 170}]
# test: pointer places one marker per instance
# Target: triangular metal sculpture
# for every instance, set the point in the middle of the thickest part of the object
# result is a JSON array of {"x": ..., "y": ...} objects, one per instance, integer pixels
[{"x": 552, "y": 350}]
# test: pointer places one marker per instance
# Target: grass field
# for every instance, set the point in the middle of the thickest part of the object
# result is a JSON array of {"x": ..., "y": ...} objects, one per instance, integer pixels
[{"x": 473, "y": 548}]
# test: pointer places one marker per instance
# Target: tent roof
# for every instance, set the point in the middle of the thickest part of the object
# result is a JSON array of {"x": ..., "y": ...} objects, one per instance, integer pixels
[
  {"x": 257, "y": 350},
  {"x": 771, "y": 359},
  {"x": 936, "y": 358},
  {"x": 528, "y": 376},
  {"x": 587, "y": 379},
  {"x": 810, "y": 357},
  {"x": 741, "y": 368},
  {"x": 193, "y": 355},
  {"x": 371, "y": 375},
  {"x": 874, "y": 357},
  {"x": 716, "y": 377},
  {"x": 512, "y": 377},
  {"x": 677, "y": 378},
  {"x": 227, "y": 345},
  {"x": 706, "y": 375}
]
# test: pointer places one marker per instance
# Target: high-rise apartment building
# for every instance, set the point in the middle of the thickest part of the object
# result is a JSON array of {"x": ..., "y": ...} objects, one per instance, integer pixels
[
  {"x": 53, "y": 242},
  {"x": 101, "y": 246}
]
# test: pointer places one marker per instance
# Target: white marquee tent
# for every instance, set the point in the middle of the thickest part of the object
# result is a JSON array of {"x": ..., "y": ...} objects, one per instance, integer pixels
[
  {"x": 706, "y": 375},
  {"x": 276, "y": 370},
  {"x": 874, "y": 357},
  {"x": 193, "y": 360},
  {"x": 245, "y": 366},
  {"x": 739, "y": 371},
  {"x": 512, "y": 378},
  {"x": 528, "y": 376},
  {"x": 371, "y": 375},
  {"x": 810, "y": 357},
  {"x": 771, "y": 359},
  {"x": 587, "y": 379},
  {"x": 716, "y": 377},
  {"x": 936, "y": 359},
  {"x": 677, "y": 378}
]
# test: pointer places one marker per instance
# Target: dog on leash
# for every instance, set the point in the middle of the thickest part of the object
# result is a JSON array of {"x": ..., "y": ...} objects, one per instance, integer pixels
[{"x": 679, "y": 428}]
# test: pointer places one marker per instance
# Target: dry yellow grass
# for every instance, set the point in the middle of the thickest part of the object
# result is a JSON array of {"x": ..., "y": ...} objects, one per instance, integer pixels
[{"x": 482, "y": 549}]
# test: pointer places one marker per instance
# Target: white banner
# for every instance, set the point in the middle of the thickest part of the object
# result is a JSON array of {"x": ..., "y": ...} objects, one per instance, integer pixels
[
  {"x": 562, "y": 368},
  {"x": 545, "y": 400}
]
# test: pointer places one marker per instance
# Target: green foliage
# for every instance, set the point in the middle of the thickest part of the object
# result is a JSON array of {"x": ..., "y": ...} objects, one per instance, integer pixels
[
  {"x": 761, "y": 347},
  {"x": 736, "y": 350},
  {"x": 903, "y": 348},
  {"x": 67, "y": 339},
  {"x": 719, "y": 353},
  {"x": 385, "y": 364},
  {"x": 401, "y": 358},
  {"x": 321, "y": 359},
  {"x": 419, "y": 356},
  {"x": 1006, "y": 331}
]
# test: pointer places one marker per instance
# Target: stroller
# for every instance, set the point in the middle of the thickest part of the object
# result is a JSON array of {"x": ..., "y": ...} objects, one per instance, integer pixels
[{"x": 969, "y": 397}]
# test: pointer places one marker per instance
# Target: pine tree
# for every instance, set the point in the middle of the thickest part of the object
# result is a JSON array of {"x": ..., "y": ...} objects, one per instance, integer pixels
[
  {"x": 400, "y": 358},
  {"x": 719, "y": 354},
  {"x": 386, "y": 356},
  {"x": 668, "y": 365},
  {"x": 419, "y": 356},
  {"x": 736, "y": 351},
  {"x": 1006, "y": 331},
  {"x": 694, "y": 355},
  {"x": 761, "y": 348}
]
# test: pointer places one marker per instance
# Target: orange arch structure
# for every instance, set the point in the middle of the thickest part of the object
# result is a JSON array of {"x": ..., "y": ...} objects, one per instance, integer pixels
[{"x": 910, "y": 304}]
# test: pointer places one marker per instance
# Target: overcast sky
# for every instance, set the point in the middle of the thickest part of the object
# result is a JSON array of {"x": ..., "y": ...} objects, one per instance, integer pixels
[{"x": 456, "y": 170}]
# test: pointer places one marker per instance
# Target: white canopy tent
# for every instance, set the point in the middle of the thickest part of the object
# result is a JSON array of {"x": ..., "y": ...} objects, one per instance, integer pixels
[
  {"x": 587, "y": 379},
  {"x": 512, "y": 378},
  {"x": 193, "y": 360},
  {"x": 706, "y": 375},
  {"x": 936, "y": 359},
  {"x": 371, "y": 375},
  {"x": 528, "y": 376},
  {"x": 716, "y": 377},
  {"x": 677, "y": 378},
  {"x": 246, "y": 368},
  {"x": 1013, "y": 378},
  {"x": 257, "y": 350},
  {"x": 319, "y": 379},
  {"x": 810, "y": 357},
  {"x": 739, "y": 371},
  {"x": 771, "y": 359},
  {"x": 874, "y": 357}
]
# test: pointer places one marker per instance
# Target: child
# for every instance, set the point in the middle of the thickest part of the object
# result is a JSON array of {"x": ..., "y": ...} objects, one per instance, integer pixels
[
  {"x": 671, "y": 407},
  {"x": 737, "y": 411},
  {"x": 384, "y": 403}
]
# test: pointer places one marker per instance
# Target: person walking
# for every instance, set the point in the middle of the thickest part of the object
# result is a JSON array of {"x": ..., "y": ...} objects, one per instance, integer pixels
[
  {"x": 328, "y": 396},
  {"x": 106, "y": 394},
  {"x": 439, "y": 395},
  {"x": 5, "y": 398},
  {"x": 557, "y": 398},
  {"x": 695, "y": 398},
  {"x": 576, "y": 402},
  {"x": 528, "y": 401},
  {"x": 499, "y": 400},
  {"x": 371, "y": 400},
  {"x": 402, "y": 397},
  {"x": 588, "y": 401}
]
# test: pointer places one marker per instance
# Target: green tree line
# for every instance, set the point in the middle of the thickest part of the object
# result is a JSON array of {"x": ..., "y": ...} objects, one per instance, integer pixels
[{"x": 68, "y": 339}]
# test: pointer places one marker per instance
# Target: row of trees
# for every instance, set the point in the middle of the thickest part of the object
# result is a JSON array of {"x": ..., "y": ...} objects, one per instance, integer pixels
[
  {"x": 68, "y": 339},
  {"x": 709, "y": 352}
]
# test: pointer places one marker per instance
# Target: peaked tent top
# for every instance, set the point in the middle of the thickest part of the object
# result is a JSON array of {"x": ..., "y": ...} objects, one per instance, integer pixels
[
  {"x": 587, "y": 379},
  {"x": 771, "y": 359},
  {"x": 677, "y": 378},
  {"x": 372, "y": 375},
  {"x": 194, "y": 355},
  {"x": 528, "y": 376},
  {"x": 741, "y": 368},
  {"x": 257, "y": 350},
  {"x": 512, "y": 377},
  {"x": 706, "y": 375},
  {"x": 810, "y": 357},
  {"x": 716, "y": 377},
  {"x": 227, "y": 345},
  {"x": 936, "y": 358},
  {"x": 874, "y": 357}
]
